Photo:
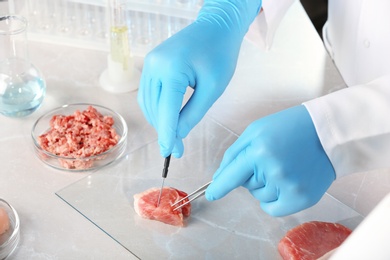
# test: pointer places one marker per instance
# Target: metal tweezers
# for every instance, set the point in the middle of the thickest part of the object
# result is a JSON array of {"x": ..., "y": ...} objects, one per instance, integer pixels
[{"x": 197, "y": 193}]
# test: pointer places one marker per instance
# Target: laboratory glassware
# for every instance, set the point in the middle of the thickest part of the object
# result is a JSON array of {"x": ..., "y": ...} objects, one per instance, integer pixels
[
  {"x": 121, "y": 74},
  {"x": 87, "y": 23},
  {"x": 22, "y": 86}
]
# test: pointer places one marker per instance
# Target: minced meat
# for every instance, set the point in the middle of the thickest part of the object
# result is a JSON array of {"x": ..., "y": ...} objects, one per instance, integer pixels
[{"x": 83, "y": 134}]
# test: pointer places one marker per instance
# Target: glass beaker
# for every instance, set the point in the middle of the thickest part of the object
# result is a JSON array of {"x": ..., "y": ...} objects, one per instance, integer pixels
[{"x": 22, "y": 87}]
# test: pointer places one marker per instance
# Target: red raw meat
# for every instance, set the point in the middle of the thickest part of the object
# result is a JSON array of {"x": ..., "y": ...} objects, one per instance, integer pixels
[
  {"x": 80, "y": 135},
  {"x": 145, "y": 204},
  {"x": 312, "y": 240},
  {"x": 4, "y": 221}
]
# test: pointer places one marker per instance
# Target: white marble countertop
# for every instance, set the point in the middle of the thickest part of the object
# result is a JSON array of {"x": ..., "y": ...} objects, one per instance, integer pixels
[{"x": 296, "y": 69}]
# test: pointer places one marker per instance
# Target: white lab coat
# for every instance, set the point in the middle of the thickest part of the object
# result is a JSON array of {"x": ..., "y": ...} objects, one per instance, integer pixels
[{"x": 353, "y": 124}]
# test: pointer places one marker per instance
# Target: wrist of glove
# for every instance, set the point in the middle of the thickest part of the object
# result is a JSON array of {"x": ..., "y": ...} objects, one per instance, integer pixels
[
  {"x": 233, "y": 15},
  {"x": 280, "y": 160}
]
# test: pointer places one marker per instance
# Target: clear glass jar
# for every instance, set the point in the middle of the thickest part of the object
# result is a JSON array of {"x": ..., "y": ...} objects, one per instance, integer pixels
[{"x": 22, "y": 87}]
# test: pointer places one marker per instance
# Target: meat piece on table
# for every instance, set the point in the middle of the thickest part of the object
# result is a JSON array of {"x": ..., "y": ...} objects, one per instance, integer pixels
[
  {"x": 145, "y": 204},
  {"x": 4, "y": 221},
  {"x": 312, "y": 240}
]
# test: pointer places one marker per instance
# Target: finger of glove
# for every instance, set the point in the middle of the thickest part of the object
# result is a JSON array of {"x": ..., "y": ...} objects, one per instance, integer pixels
[
  {"x": 170, "y": 102},
  {"x": 268, "y": 193},
  {"x": 230, "y": 177},
  {"x": 232, "y": 152},
  {"x": 256, "y": 181},
  {"x": 196, "y": 107},
  {"x": 148, "y": 98},
  {"x": 178, "y": 149},
  {"x": 286, "y": 204},
  {"x": 144, "y": 97}
]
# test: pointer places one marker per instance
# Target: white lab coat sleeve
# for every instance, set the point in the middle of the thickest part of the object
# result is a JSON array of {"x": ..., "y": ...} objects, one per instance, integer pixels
[
  {"x": 353, "y": 125},
  {"x": 262, "y": 30}
]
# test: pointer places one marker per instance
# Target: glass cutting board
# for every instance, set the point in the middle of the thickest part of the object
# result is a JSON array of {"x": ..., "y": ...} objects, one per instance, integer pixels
[{"x": 233, "y": 227}]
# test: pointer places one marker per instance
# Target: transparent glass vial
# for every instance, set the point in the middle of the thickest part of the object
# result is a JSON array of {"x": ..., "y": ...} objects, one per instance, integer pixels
[
  {"x": 121, "y": 75},
  {"x": 22, "y": 87}
]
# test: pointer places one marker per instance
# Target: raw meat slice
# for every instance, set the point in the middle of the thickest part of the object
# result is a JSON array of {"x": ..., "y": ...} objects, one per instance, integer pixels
[
  {"x": 4, "y": 221},
  {"x": 312, "y": 240},
  {"x": 145, "y": 204}
]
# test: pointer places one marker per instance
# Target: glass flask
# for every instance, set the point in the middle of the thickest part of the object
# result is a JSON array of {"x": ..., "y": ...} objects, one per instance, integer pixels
[{"x": 22, "y": 87}]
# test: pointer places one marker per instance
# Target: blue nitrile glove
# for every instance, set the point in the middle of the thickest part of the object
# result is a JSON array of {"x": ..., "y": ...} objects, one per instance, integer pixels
[
  {"x": 280, "y": 160},
  {"x": 203, "y": 56}
]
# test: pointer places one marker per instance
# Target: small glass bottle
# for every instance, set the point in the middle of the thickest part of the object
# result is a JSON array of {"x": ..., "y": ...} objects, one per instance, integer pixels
[
  {"x": 121, "y": 74},
  {"x": 22, "y": 87}
]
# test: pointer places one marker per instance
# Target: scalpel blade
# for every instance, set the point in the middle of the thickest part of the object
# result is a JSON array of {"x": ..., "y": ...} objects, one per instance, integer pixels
[{"x": 159, "y": 196}]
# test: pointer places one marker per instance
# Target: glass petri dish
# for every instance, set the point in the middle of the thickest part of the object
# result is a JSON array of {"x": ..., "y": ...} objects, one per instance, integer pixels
[{"x": 10, "y": 238}]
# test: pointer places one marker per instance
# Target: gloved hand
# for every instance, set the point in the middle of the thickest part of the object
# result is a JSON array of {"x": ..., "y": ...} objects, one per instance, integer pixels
[
  {"x": 280, "y": 160},
  {"x": 203, "y": 56}
]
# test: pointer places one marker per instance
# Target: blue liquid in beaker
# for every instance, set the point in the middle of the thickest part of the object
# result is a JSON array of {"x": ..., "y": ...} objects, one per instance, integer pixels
[{"x": 21, "y": 92}]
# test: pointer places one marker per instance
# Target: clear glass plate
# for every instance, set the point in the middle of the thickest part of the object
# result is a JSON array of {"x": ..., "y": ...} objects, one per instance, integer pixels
[{"x": 232, "y": 227}]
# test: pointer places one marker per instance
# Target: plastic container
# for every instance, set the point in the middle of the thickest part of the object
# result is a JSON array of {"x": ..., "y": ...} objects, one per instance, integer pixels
[
  {"x": 10, "y": 239},
  {"x": 79, "y": 164}
]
